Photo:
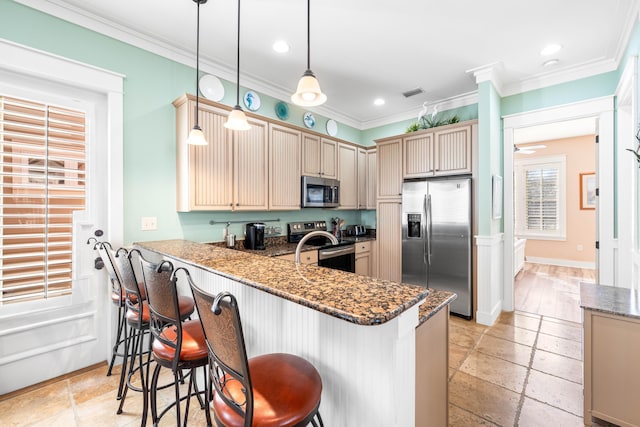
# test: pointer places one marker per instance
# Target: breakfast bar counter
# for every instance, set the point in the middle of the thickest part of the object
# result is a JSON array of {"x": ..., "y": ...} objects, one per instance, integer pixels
[{"x": 359, "y": 332}]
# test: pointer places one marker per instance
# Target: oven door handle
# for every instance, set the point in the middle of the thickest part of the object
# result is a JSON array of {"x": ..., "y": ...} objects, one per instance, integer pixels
[{"x": 332, "y": 253}]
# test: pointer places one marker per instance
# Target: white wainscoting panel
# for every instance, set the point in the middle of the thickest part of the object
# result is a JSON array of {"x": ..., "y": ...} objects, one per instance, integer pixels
[{"x": 490, "y": 278}]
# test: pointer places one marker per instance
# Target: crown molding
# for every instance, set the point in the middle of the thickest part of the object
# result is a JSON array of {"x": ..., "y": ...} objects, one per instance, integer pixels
[
  {"x": 489, "y": 73},
  {"x": 458, "y": 101}
]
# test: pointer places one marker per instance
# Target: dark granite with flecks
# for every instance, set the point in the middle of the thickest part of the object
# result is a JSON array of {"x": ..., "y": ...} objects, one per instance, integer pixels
[
  {"x": 351, "y": 297},
  {"x": 436, "y": 301},
  {"x": 607, "y": 299}
]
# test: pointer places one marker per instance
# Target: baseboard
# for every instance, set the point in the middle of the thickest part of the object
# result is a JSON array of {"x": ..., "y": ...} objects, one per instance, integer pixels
[
  {"x": 561, "y": 262},
  {"x": 490, "y": 318}
]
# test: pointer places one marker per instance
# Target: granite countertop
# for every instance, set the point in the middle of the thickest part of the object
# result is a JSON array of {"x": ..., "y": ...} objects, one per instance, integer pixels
[
  {"x": 436, "y": 301},
  {"x": 351, "y": 297},
  {"x": 607, "y": 299}
]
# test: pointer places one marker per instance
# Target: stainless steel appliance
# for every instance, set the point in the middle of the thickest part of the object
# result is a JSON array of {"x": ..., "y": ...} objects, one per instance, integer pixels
[
  {"x": 355, "y": 230},
  {"x": 436, "y": 237},
  {"x": 254, "y": 236},
  {"x": 320, "y": 192},
  {"x": 340, "y": 257}
]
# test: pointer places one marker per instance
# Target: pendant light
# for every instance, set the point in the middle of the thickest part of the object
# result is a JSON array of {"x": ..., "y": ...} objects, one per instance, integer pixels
[
  {"x": 196, "y": 136},
  {"x": 308, "y": 93},
  {"x": 237, "y": 120}
]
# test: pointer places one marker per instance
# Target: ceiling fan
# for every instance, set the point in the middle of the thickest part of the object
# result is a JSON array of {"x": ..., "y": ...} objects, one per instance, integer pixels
[{"x": 529, "y": 149}]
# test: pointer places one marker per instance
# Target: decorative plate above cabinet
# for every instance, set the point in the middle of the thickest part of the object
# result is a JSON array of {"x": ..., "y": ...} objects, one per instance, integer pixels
[
  {"x": 282, "y": 110},
  {"x": 332, "y": 127},
  {"x": 309, "y": 120},
  {"x": 252, "y": 100},
  {"x": 211, "y": 87}
]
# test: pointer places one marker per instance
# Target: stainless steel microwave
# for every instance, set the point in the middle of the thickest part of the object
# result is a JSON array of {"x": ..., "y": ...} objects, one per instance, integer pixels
[{"x": 320, "y": 192}]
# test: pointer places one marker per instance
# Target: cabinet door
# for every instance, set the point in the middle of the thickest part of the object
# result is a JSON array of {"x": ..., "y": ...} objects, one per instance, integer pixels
[
  {"x": 250, "y": 167},
  {"x": 311, "y": 162},
  {"x": 389, "y": 169},
  {"x": 452, "y": 151},
  {"x": 348, "y": 176},
  {"x": 371, "y": 179},
  {"x": 389, "y": 240},
  {"x": 362, "y": 178},
  {"x": 204, "y": 175},
  {"x": 284, "y": 168},
  {"x": 417, "y": 156},
  {"x": 363, "y": 264},
  {"x": 329, "y": 158}
]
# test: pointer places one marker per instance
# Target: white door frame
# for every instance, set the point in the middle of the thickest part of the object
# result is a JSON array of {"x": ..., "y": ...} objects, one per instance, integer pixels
[
  {"x": 86, "y": 312},
  {"x": 600, "y": 108}
]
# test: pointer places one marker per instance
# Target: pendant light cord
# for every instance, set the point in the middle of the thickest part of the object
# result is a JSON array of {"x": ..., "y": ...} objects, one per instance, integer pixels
[
  {"x": 238, "y": 68},
  {"x": 197, "y": 64},
  {"x": 308, "y": 34}
]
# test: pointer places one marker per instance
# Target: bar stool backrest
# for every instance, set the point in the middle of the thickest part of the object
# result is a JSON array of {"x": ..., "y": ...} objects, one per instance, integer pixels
[
  {"x": 227, "y": 353},
  {"x": 105, "y": 251}
]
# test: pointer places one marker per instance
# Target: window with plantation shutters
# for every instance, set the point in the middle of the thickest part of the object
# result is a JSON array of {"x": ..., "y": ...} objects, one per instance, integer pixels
[
  {"x": 540, "y": 197},
  {"x": 43, "y": 182}
]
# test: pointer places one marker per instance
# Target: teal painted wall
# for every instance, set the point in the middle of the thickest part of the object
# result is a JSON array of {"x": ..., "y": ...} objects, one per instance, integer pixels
[
  {"x": 489, "y": 156},
  {"x": 151, "y": 84}
]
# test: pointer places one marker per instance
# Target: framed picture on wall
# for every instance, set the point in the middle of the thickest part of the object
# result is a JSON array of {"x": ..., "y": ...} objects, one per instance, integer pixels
[{"x": 587, "y": 190}]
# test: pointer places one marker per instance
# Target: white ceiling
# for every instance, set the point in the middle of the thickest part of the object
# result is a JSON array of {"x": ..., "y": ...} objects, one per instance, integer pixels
[
  {"x": 365, "y": 49},
  {"x": 556, "y": 130}
]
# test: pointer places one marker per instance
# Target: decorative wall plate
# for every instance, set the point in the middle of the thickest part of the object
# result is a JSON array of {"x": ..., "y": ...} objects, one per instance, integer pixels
[
  {"x": 332, "y": 127},
  {"x": 309, "y": 120},
  {"x": 282, "y": 110},
  {"x": 252, "y": 100},
  {"x": 211, "y": 87}
]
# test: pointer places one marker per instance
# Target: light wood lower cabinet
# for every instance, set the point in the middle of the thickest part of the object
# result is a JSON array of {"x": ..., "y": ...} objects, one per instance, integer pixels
[
  {"x": 611, "y": 368},
  {"x": 389, "y": 239},
  {"x": 432, "y": 370},
  {"x": 308, "y": 257},
  {"x": 363, "y": 258}
]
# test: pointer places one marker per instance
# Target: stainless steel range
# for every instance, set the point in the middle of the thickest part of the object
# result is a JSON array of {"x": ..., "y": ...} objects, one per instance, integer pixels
[{"x": 341, "y": 256}]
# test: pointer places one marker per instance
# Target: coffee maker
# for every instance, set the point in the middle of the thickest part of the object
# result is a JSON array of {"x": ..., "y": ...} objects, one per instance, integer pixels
[{"x": 254, "y": 236}]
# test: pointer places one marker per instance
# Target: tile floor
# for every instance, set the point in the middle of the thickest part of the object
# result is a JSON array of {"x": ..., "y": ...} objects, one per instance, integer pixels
[{"x": 526, "y": 370}]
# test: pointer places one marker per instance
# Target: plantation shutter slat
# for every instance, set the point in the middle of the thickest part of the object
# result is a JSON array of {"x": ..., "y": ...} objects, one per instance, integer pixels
[
  {"x": 43, "y": 181},
  {"x": 542, "y": 189}
]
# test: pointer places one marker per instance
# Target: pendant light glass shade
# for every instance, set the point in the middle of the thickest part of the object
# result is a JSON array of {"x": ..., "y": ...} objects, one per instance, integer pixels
[
  {"x": 308, "y": 93},
  {"x": 237, "y": 120},
  {"x": 196, "y": 136}
]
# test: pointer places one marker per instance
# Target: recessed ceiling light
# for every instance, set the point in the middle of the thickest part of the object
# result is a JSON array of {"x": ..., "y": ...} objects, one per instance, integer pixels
[
  {"x": 281, "y": 46},
  {"x": 550, "y": 62},
  {"x": 550, "y": 49},
  {"x": 378, "y": 101}
]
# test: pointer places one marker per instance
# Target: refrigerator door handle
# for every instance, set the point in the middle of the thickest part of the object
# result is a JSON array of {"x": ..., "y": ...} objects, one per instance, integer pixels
[
  {"x": 425, "y": 235},
  {"x": 429, "y": 229}
]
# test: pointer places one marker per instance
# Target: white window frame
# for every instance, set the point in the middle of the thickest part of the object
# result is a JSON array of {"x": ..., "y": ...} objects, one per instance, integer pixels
[{"x": 520, "y": 166}]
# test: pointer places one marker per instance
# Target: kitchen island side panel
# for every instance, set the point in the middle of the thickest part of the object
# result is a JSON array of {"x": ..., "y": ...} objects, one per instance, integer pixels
[{"x": 368, "y": 372}]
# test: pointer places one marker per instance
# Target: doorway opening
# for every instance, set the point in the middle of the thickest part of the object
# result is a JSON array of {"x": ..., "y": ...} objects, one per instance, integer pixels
[{"x": 554, "y": 219}]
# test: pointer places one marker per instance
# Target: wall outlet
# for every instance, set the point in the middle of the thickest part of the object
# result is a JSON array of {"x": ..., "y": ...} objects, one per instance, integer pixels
[
  {"x": 149, "y": 223},
  {"x": 580, "y": 248}
]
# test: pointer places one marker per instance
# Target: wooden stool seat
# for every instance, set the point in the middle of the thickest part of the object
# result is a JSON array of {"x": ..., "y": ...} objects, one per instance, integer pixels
[{"x": 286, "y": 392}]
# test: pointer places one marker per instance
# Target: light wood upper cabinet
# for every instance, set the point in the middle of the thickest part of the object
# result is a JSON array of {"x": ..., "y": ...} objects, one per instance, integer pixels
[
  {"x": 319, "y": 156},
  {"x": 362, "y": 178},
  {"x": 284, "y": 167},
  {"x": 251, "y": 167},
  {"x": 437, "y": 151},
  {"x": 371, "y": 179},
  {"x": 452, "y": 151},
  {"x": 417, "y": 156},
  {"x": 389, "y": 170},
  {"x": 348, "y": 176},
  {"x": 204, "y": 173}
]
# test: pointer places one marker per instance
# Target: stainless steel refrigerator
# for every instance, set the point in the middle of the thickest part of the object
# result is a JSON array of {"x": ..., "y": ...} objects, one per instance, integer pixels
[{"x": 436, "y": 237}]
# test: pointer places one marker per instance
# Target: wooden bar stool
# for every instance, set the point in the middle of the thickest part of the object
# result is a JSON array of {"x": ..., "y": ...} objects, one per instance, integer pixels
[
  {"x": 178, "y": 344},
  {"x": 271, "y": 390}
]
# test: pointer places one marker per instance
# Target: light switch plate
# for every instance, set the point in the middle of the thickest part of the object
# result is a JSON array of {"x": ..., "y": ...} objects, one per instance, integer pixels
[{"x": 149, "y": 223}]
